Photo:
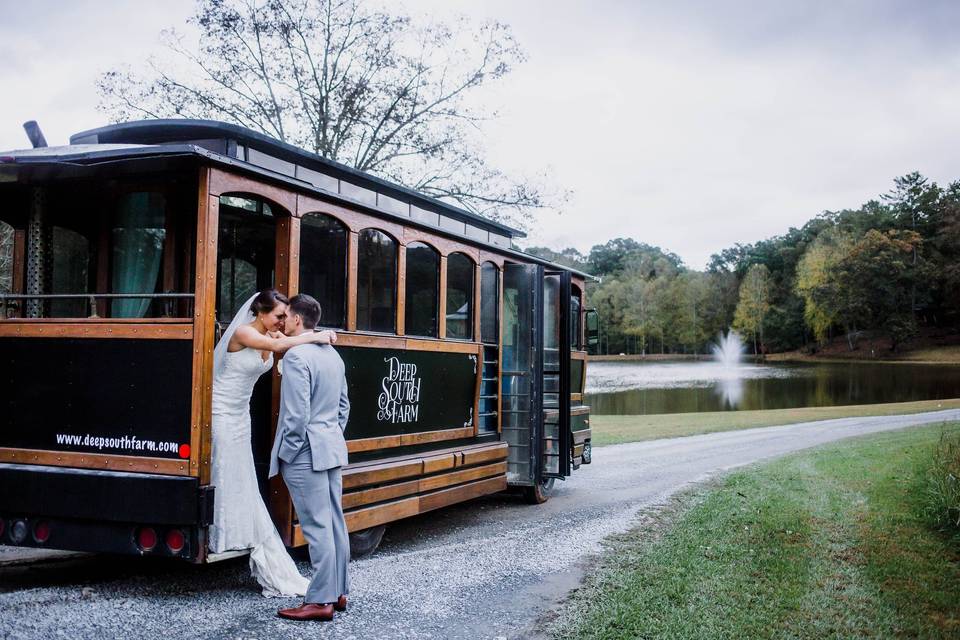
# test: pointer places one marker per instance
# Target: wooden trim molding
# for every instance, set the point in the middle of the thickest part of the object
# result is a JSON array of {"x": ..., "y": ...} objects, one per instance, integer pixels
[
  {"x": 223, "y": 182},
  {"x": 353, "y": 220},
  {"x": 401, "y": 290},
  {"x": 205, "y": 288},
  {"x": 164, "y": 466},
  {"x": 407, "y": 439},
  {"x": 19, "y": 259},
  {"x": 183, "y": 330},
  {"x": 377, "y": 472},
  {"x": 380, "y": 341},
  {"x": 444, "y": 246},
  {"x": 367, "y": 517},
  {"x": 112, "y": 322},
  {"x": 362, "y": 497},
  {"x": 442, "y": 319},
  {"x": 353, "y": 250}
]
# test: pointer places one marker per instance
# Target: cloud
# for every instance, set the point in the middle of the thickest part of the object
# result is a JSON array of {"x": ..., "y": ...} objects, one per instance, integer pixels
[{"x": 689, "y": 125}]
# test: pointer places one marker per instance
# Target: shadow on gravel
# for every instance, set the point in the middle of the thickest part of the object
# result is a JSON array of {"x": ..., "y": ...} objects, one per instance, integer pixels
[
  {"x": 138, "y": 575},
  {"x": 144, "y": 576},
  {"x": 431, "y": 528}
]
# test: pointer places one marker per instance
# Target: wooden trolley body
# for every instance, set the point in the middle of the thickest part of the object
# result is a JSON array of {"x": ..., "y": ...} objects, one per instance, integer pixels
[{"x": 106, "y": 422}]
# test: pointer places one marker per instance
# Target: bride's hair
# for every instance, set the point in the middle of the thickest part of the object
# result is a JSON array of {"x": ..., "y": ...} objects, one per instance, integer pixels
[{"x": 266, "y": 300}]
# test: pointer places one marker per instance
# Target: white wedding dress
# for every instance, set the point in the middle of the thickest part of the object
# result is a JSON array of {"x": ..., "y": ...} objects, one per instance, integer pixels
[{"x": 241, "y": 520}]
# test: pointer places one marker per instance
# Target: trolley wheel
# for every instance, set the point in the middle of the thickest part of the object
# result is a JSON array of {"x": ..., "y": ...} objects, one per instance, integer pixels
[
  {"x": 587, "y": 455},
  {"x": 539, "y": 493},
  {"x": 363, "y": 543}
]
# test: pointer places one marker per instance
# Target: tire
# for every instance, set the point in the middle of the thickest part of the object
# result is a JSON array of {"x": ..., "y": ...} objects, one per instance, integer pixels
[
  {"x": 539, "y": 493},
  {"x": 363, "y": 543},
  {"x": 587, "y": 454}
]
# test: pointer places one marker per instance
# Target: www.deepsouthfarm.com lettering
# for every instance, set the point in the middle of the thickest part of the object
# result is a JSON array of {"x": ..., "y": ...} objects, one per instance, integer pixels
[{"x": 123, "y": 443}]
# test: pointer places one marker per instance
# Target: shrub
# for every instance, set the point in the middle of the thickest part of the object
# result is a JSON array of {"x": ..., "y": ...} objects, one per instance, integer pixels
[{"x": 941, "y": 502}]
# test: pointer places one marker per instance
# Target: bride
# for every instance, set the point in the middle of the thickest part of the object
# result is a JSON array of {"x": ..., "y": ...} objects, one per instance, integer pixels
[{"x": 241, "y": 520}]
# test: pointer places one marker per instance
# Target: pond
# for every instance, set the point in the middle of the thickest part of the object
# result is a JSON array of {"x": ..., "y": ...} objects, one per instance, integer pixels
[{"x": 632, "y": 388}]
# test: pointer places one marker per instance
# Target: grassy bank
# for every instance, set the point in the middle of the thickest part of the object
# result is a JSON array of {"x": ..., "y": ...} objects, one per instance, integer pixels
[
  {"x": 831, "y": 543},
  {"x": 619, "y": 429},
  {"x": 921, "y": 354}
]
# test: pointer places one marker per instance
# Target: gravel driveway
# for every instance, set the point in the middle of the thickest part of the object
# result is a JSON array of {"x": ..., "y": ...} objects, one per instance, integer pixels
[{"x": 487, "y": 569}]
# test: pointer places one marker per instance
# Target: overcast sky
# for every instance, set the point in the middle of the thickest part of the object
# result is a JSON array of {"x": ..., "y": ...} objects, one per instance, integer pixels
[{"x": 688, "y": 125}]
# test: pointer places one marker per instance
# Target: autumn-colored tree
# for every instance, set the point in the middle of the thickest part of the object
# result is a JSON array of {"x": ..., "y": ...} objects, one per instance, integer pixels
[
  {"x": 754, "y": 304},
  {"x": 823, "y": 303}
]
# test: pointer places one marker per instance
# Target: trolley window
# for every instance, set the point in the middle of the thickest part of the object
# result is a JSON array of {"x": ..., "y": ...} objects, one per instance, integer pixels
[
  {"x": 69, "y": 268},
  {"x": 323, "y": 266},
  {"x": 245, "y": 254},
  {"x": 114, "y": 251},
  {"x": 460, "y": 276},
  {"x": 423, "y": 291},
  {"x": 575, "y": 320},
  {"x": 489, "y": 302},
  {"x": 376, "y": 282}
]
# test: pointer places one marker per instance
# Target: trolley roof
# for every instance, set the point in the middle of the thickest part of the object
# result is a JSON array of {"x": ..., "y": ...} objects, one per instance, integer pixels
[{"x": 239, "y": 147}]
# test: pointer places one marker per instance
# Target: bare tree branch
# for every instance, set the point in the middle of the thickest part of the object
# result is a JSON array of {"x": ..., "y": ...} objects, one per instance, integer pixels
[{"x": 375, "y": 90}]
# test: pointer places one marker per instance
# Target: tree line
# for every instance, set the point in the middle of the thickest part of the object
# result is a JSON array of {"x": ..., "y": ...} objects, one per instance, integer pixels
[{"x": 887, "y": 269}]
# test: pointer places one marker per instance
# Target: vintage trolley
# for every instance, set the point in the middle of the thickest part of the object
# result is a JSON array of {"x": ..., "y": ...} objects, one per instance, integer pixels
[{"x": 129, "y": 249}]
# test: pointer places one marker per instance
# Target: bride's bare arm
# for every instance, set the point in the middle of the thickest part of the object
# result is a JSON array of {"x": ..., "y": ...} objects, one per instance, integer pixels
[{"x": 247, "y": 336}]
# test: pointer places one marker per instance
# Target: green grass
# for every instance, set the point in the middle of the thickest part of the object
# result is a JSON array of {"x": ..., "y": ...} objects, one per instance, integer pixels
[
  {"x": 619, "y": 429},
  {"x": 831, "y": 543}
]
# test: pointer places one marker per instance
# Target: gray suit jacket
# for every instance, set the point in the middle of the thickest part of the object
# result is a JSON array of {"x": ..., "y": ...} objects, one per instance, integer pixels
[{"x": 313, "y": 408}]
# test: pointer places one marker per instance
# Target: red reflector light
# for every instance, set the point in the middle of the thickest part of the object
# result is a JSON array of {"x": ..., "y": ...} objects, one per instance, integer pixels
[
  {"x": 3, "y": 526},
  {"x": 147, "y": 539},
  {"x": 175, "y": 540},
  {"x": 41, "y": 531}
]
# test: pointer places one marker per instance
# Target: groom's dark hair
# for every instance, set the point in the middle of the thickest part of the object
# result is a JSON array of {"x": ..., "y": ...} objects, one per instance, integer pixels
[{"x": 307, "y": 308}]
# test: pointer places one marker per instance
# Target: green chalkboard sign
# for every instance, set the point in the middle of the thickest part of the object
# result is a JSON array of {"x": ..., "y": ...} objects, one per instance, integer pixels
[{"x": 397, "y": 391}]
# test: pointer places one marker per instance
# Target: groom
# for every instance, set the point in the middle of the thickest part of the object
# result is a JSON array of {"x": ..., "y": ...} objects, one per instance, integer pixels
[{"x": 309, "y": 451}]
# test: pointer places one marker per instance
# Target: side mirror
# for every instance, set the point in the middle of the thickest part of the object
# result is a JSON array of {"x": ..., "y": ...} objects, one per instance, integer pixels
[{"x": 593, "y": 331}]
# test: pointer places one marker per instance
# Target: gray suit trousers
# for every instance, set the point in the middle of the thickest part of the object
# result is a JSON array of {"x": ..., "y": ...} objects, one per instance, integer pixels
[{"x": 316, "y": 497}]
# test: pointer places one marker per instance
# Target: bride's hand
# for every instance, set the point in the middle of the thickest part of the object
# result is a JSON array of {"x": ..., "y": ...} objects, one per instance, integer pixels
[
  {"x": 325, "y": 337},
  {"x": 275, "y": 334}
]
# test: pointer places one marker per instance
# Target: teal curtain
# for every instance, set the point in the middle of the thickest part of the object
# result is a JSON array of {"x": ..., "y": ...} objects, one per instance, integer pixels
[{"x": 139, "y": 231}]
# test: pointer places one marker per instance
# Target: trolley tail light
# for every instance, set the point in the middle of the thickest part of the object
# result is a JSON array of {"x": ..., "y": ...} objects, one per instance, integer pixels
[
  {"x": 41, "y": 531},
  {"x": 3, "y": 527},
  {"x": 147, "y": 538},
  {"x": 175, "y": 540}
]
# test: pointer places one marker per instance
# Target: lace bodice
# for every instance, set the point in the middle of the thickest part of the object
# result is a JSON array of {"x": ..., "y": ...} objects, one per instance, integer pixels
[{"x": 233, "y": 387}]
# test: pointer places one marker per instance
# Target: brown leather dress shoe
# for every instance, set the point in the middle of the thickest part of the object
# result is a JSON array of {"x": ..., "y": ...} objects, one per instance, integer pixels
[
  {"x": 308, "y": 611},
  {"x": 341, "y": 603}
]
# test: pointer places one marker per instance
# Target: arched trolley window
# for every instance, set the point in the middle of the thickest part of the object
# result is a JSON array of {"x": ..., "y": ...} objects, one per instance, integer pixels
[
  {"x": 376, "y": 282},
  {"x": 246, "y": 253},
  {"x": 459, "y": 312},
  {"x": 423, "y": 291},
  {"x": 323, "y": 266},
  {"x": 489, "y": 303},
  {"x": 576, "y": 304}
]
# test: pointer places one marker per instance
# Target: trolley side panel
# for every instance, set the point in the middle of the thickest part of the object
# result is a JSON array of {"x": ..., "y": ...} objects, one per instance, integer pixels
[{"x": 124, "y": 397}]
